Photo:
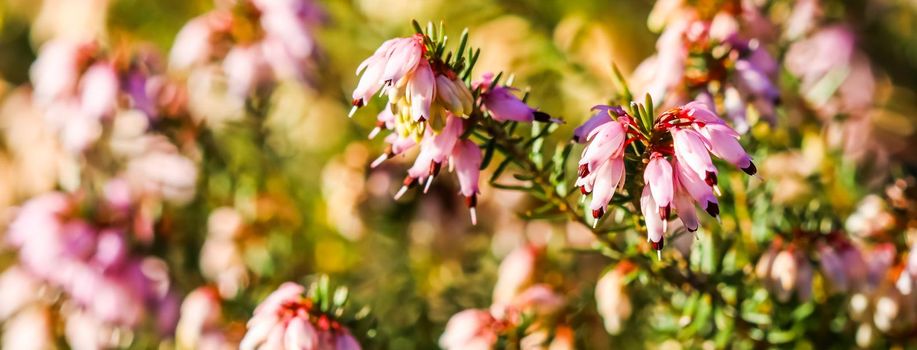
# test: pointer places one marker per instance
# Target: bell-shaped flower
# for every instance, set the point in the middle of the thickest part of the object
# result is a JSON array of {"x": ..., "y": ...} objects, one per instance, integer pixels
[
  {"x": 696, "y": 188},
  {"x": 655, "y": 223},
  {"x": 658, "y": 178},
  {"x": 691, "y": 150},
  {"x": 467, "y": 160},
  {"x": 420, "y": 91}
]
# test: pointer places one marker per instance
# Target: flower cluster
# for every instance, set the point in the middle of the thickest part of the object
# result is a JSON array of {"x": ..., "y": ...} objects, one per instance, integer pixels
[
  {"x": 78, "y": 87},
  {"x": 678, "y": 171},
  {"x": 288, "y": 320},
  {"x": 703, "y": 55},
  {"x": 879, "y": 287},
  {"x": 91, "y": 262},
  {"x": 254, "y": 42},
  {"x": 518, "y": 305},
  {"x": 431, "y": 105}
]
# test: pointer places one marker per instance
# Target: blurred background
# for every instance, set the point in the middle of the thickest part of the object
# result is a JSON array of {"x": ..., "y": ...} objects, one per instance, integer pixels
[{"x": 188, "y": 186}]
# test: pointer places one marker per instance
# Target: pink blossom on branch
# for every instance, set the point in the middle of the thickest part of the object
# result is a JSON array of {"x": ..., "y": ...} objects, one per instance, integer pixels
[
  {"x": 677, "y": 164},
  {"x": 430, "y": 105},
  {"x": 286, "y": 319}
]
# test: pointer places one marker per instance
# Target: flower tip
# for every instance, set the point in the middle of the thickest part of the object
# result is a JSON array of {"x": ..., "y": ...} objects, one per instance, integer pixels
[
  {"x": 474, "y": 215},
  {"x": 751, "y": 169},
  {"x": 374, "y": 132},
  {"x": 401, "y": 192},
  {"x": 382, "y": 157},
  {"x": 713, "y": 209},
  {"x": 716, "y": 189},
  {"x": 659, "y": 255},
  {"x": 353, "y": 110},
  {"x": 543, "y": 117},
  {"x": 426, "y": 187}
]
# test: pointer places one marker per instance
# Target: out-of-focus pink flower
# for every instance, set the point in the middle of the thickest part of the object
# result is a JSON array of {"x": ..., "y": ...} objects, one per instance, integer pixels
[
  {"x": 165, "y": 172},
  {"x": 90, "y": 265},
  {"x": 221, "y": 257},
  {"x": 194, "y": 43},
  {"x": 539, "y": 299},
  {"x": 30, "y": 328},
  {"x": 470, "y": 330},
  {"x": 55, "y": 73},
  {"x": 18, "y": 288},
  {"x": 611, "y": 297},
  {"x": 827, "y": 49},
  {"x": 282, "y": 50},
  {"x": 99, "y": 88},
  {"x": 515, "y": 273},
  {"x": 200, "y": 316},
  {"x": 801, "y": 19},
  {"x": 879, "y": 259},
  {"x": 245, "y": 69},
  {"x": 785, "y": 271}
]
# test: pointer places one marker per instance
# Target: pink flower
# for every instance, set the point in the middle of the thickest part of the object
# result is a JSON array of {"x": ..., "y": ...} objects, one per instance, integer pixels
[
  {"x": 17, "y": 290},
  {"x": 538, "y": 299},
  {"x": 503, "y": 106},
  {"x": 55, "y": 73},
  {"x": 281, "y": 321},
  {"x": 611, "y": 297},
  {"x": 785, "y": 270},
  {"x": 194, "y": 44},
  {"x": 467, "y": 159},
  {"x": 200, "y": 314},
  {"x": 601, "y": 116},
  {"x": 470, "y": 330},
  {"x": 391, "y": 62},
  {"x": 515, "y": 273},
  {"x": 245, "y": 69},
  {"x": 99, "y": 88},
  {"x": 698, "y": 190},
  {"x": 658, "y": 178},
  {"x": 419, "y": 91},
  {"x": 601, "y": 168},
  {"x": 684, "y": 207},
  {"x": 691, "y": 151},
  {"x": 655, "y": 223},
  {"x": 31, "y": 328}
]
